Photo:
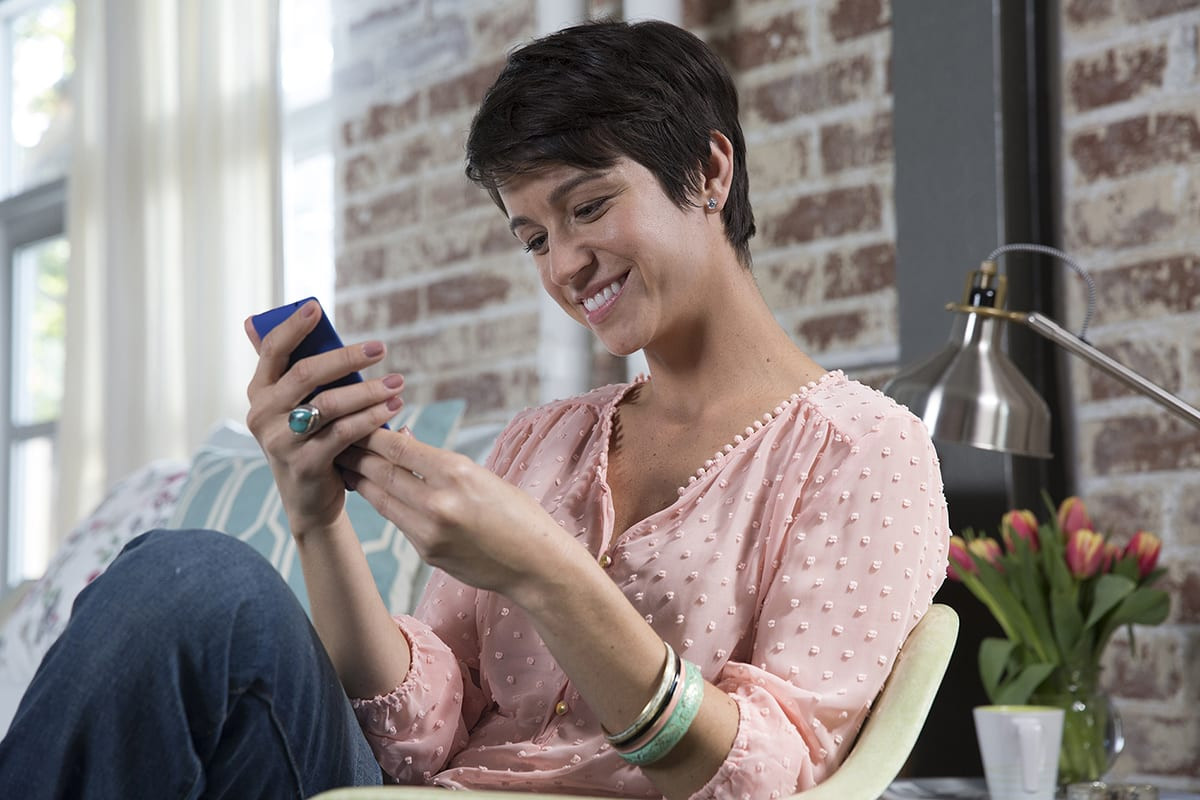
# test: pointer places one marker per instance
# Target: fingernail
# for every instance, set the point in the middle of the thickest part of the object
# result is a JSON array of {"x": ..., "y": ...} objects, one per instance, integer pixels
[
  {"x": 372, "y": 349},
  {"x": 308, "y": 309},
  {"x": 395, "y": 403},
  {"x": 394, "y": 381}
]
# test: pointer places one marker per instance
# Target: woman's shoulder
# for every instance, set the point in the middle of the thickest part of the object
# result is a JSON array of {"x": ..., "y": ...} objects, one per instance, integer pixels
[{"x": 856, "y": 409}]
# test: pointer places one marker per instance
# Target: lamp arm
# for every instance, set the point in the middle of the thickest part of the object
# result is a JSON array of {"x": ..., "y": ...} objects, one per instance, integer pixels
[{"x": 1068, "y": 341}]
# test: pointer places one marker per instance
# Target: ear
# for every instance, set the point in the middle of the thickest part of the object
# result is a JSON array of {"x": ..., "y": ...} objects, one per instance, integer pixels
[{"x": 718, "y": 170}]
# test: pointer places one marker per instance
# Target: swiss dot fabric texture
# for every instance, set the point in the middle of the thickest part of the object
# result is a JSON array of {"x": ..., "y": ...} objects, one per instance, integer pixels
[{"x": 790, "y": 571}]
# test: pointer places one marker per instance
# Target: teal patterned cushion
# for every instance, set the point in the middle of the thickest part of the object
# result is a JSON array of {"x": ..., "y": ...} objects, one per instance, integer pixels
[{"x": 230, "y": 489}]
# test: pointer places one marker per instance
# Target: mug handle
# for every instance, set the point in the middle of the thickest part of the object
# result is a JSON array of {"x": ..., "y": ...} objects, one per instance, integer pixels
[{"x": 1029, "y": 738}]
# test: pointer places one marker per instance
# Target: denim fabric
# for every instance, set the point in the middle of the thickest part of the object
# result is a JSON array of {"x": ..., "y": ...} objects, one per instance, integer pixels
[{"x": 187, "y": 670}]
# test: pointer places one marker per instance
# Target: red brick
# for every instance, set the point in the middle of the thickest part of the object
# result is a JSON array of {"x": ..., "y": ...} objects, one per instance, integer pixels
[
  {"x": 828, "y": 86},
  {"x": 1153, "y": 670},
  {"x": 1142, "y": 210},
  {"x": 1153, "y": 358},
  {"x": 1155, "y": 9},
  {"x": 777, "y": 39},
  {"x": 1122, "y": 511},
  {"x": 490, "y": 391},
  {"x": 1138, "y": 144},
  {"x": 1165, "y": 742},
  {"x": 453, "y": 195},
  {"x": 1156, "y": 441},
  {"x": 356, "y": 267},
  {"x": 833, "y": 331},
  {"x": 788, "y": 283},
  {"x": 1080, "y": 13},
  {"x": 381, "y": 215},
  {"x": 860, "y": 143},
  {"x": 496, "y": 30},
  {"x": 826, "y": 215},
  {"x": 468, "y": 292},
  {"x": 698, "y": 13},
  {"x": 1116, "y": 76},
  {"x": 1181, "y": 529},
  {"x": 851, "y": 19},
  {"x": 865, "y": 270},
  {"x": 359, "y": 172},
  {"x": 1159, "y": 287},
  {"x": 462, "y": 92},
  {"x": 779, "y": 163},
  {"x": 381, "y": 120},
  {"x": 403, "y": 306},
  {"x": 1183, "y": 582}
]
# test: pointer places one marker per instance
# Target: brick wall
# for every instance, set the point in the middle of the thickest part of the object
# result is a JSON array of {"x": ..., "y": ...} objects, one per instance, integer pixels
[
  {"x": 1131, "y": 214},
  {"x": 426, "y": 263}
]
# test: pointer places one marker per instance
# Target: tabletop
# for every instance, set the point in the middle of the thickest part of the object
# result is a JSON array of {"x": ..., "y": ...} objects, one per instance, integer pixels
[{"x": 974, "y": 789}]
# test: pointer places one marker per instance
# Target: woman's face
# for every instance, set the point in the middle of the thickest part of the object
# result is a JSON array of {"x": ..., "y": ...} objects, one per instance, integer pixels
[{"x": 615, "y": 252}]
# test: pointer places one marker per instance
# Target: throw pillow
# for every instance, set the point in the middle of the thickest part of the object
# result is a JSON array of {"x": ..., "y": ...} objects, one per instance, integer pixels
[
  {"x": 231, "y": 489},
  {"x": 138, "y": 503}
]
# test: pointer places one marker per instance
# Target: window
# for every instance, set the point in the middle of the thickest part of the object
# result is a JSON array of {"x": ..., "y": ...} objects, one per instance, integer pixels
[
  {"x": 306, "y": 55},
  {"x": 36, "y": 43}
]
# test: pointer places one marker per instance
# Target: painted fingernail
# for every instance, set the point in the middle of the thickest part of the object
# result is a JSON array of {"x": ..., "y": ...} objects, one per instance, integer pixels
[
  {"x": 308, "y": 309},
  {"x": 372, "y": 349},
  {"x": 394, "y": 381},
  {"x": 395, "y": 403}
]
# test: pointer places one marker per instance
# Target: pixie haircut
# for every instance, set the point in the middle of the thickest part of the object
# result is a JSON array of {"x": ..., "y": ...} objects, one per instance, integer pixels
[{"x": 590, "y": 94}]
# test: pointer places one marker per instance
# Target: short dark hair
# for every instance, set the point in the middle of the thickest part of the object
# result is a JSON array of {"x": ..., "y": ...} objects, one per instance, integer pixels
[{"x": 589, "y": 94}]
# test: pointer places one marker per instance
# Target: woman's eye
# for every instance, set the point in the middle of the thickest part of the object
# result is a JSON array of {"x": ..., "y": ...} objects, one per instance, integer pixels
[
  {"x": 592, "y": 209},
  {"x": 536, "y": 243}
]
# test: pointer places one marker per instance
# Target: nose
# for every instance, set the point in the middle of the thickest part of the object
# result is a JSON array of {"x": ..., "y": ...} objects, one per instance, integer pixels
[{"x": 568, "y": 260}]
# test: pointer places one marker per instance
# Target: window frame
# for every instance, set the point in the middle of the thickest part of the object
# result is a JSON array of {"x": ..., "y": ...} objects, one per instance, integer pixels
[{"x": 32, "y": 216}]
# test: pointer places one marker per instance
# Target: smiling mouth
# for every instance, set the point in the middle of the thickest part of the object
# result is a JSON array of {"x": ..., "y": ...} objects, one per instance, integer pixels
[{"x": 604, "y": 296}]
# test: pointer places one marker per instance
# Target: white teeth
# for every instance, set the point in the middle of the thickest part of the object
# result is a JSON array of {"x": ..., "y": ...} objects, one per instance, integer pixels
[{"x": 603, "y": 296}]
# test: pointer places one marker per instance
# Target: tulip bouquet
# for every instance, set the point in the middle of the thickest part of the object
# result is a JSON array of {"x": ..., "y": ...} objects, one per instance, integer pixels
[{"x": 1059, "y": 589}]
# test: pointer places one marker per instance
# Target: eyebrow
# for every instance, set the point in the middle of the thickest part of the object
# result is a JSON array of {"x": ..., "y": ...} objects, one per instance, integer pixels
[{"x": 556, "y": 196}]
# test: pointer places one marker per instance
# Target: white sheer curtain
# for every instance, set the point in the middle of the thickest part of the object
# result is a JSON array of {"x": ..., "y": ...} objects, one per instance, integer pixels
[{"x": 173, "y": 219}]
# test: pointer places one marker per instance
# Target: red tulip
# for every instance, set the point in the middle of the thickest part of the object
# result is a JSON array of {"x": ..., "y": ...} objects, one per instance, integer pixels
[
  {"x": 988, "y": 549},
  {"x": 1022, "y": 524},
  {"x": 1085, "y": 553},
  {"x": 1112, "y": 554},
  {"x": 959, "y": 560},
  {"x": 1145, "y": 546},
  {"x": 1073, "y": 516}
]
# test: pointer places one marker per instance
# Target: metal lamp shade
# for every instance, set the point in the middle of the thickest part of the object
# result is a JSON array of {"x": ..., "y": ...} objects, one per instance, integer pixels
[{"x": 971, "y": 393}]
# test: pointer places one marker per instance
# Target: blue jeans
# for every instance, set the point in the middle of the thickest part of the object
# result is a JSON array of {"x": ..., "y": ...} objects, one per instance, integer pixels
[{"x": 187, "y": 670}]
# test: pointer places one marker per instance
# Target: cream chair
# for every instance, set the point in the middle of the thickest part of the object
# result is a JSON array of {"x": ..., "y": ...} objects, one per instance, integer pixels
[{"x": 882, "y": 747}]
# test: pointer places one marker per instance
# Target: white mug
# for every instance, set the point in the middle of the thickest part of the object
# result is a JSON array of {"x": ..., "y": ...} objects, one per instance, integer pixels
[{"x": 1019, "y": 745}]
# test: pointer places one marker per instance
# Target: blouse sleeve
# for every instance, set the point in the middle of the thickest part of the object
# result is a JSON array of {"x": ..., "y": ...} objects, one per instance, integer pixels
[
  {"x": 418, "y": 727},
  {"x": 854, "y": 561}
]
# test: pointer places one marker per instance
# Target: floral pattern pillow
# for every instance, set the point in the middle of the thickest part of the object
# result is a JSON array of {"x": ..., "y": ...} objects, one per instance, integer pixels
[{"x": 141, "y": 502}]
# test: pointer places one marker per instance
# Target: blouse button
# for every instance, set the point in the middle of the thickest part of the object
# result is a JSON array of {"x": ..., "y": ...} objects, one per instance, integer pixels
[
  {"x": 605, "y": 561},
  {"x": 561, "y": 707}
]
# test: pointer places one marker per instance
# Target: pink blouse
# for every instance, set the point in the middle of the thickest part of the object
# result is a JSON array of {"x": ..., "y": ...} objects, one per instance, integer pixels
[{"x": 790, "y": 569}]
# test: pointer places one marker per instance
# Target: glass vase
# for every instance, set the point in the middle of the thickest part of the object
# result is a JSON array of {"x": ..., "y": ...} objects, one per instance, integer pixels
[{"x": 1091, "y": 737}]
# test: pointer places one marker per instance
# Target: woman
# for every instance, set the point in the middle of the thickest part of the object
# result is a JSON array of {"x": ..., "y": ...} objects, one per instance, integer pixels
[
  {"x": 787, "y": 560},
  {"x": 692, "y": 585}
]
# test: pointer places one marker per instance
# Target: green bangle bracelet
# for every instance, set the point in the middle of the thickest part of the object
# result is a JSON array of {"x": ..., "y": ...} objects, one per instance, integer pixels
[{"x": 677, "y": 725}]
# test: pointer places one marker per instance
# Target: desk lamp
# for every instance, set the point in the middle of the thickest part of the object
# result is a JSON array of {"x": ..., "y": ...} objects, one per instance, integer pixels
[{"x": 971, "y": 393}]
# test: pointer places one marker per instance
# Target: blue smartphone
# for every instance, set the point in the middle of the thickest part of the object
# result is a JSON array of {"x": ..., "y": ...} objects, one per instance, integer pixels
[{"x": 322, "y": 339}]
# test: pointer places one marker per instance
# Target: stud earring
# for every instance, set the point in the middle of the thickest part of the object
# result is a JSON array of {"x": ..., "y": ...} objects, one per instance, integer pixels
[{"x": 712, "y": 204}]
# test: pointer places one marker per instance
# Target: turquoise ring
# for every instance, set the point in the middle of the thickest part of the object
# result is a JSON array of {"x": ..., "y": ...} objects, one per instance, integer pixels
[{"x": 304, "y": 420}]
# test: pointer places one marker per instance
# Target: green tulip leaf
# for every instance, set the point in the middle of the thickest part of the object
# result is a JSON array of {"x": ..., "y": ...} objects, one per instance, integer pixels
[
  {"x": 1110, "y": 590},
  {"x": 1143, "y": 607},
  {"x": 993, "y": 659},
  {"x": 1018, "y": 690},
  {"x": 1068, "y": 621}
]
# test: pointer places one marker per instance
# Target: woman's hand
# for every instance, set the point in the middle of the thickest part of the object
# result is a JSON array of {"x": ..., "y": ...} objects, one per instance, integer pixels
[
  {"x": 461, "y": 517},
  {"x": 311, "y": 487}
]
